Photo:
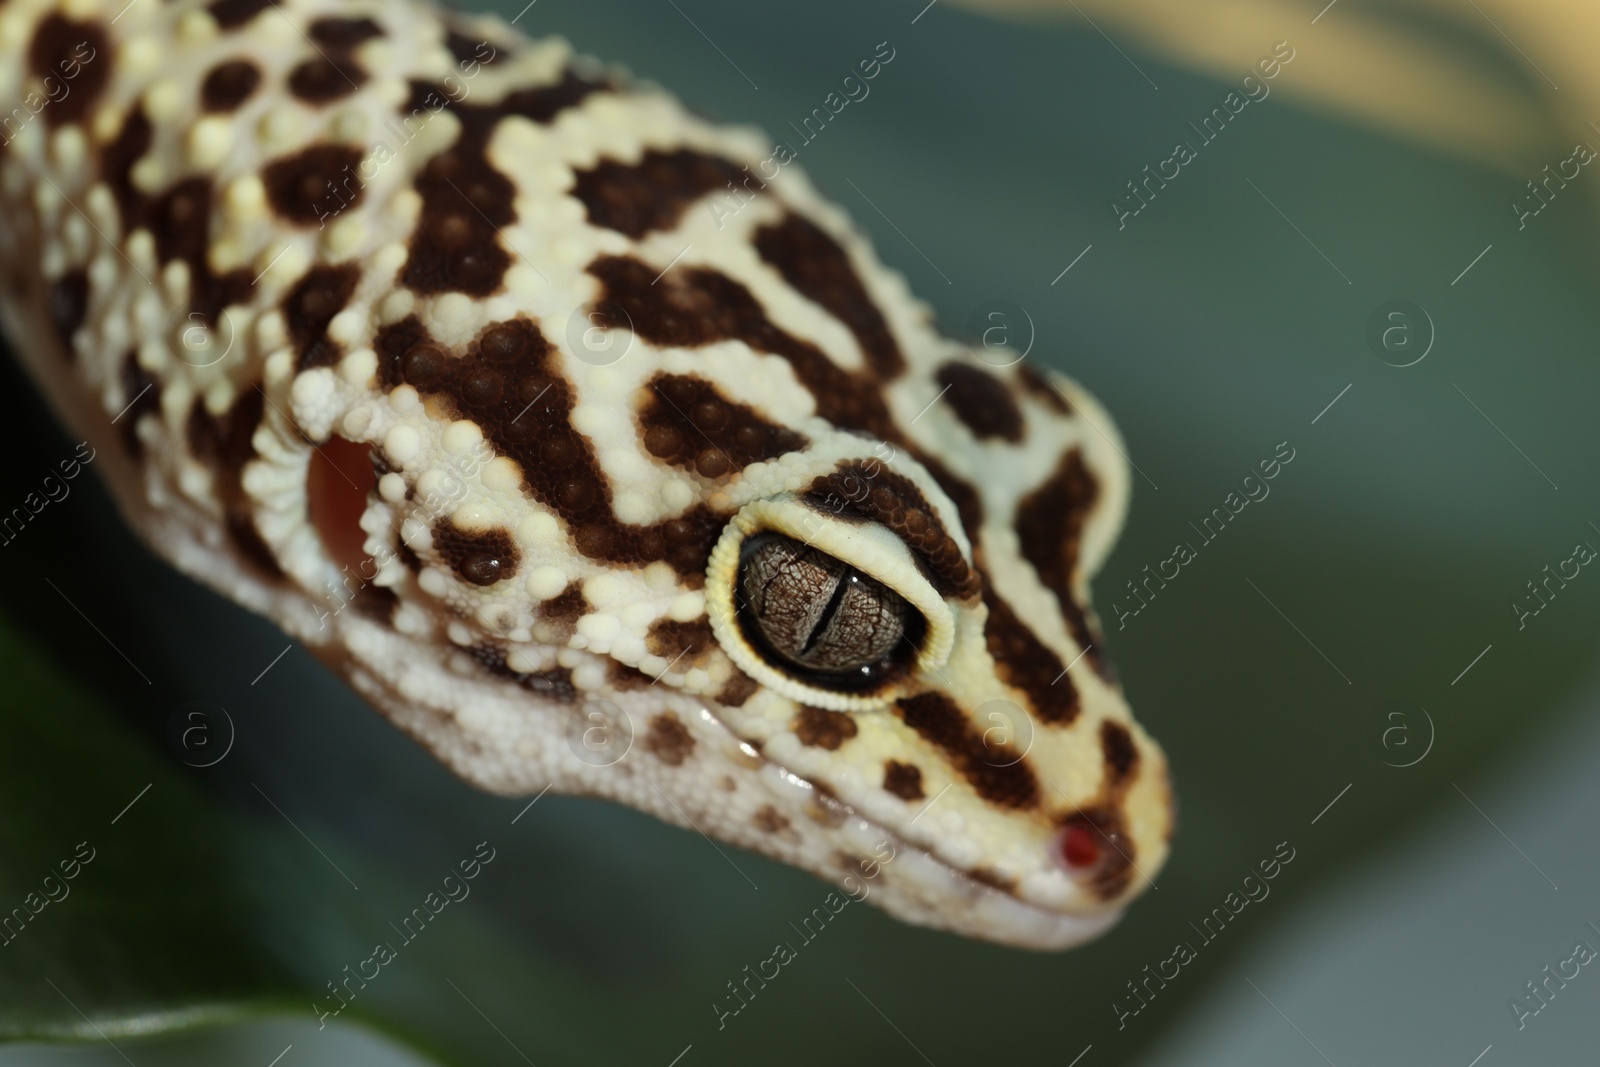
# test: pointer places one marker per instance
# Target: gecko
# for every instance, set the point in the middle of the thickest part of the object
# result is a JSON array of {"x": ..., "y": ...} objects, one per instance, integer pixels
[{"x": 594, "y": 448}]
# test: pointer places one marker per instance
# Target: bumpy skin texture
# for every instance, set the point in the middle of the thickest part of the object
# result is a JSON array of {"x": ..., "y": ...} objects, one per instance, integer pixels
[{"x": 473, "y": 364}]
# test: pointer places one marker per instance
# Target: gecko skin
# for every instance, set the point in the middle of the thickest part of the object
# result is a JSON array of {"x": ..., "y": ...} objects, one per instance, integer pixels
[{"x": 584, "y": 439}]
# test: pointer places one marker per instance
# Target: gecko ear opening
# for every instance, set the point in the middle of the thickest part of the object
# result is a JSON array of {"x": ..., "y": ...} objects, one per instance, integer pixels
[{"x": 339, "y": 480}]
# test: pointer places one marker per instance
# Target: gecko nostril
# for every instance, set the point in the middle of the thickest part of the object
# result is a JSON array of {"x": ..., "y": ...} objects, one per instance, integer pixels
[
  {"x": 1078, "y": 846},
  {"x": 338, "y": 482}
]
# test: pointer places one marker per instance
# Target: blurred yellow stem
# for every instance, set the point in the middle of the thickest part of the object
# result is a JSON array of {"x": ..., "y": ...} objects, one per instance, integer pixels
[{"x": 1385, "y": 74}]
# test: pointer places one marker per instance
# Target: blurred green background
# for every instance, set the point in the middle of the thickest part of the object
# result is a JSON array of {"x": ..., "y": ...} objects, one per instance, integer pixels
[{"x": 1221, "y": 321}]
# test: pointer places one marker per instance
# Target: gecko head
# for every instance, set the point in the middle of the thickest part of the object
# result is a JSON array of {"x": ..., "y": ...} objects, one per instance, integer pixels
[
  {"x": 828, "y": 614},
  {"x": 913, "y": 664},
  {"x": 867, "y": 655},
  {"x": 786, "y": 567}
]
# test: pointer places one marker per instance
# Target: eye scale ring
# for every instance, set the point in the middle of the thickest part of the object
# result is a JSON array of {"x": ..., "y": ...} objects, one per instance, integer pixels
[
  {"x": 806, "y": 646},
  {"x": 820, "y": 619}
]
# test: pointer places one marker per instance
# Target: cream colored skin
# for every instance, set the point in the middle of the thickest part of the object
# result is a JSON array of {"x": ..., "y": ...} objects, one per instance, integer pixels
[{"x": 746, "y": 764}]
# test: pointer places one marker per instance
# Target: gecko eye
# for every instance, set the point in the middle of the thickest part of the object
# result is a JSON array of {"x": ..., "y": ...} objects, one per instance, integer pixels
[{"x": 820, "y": 619}]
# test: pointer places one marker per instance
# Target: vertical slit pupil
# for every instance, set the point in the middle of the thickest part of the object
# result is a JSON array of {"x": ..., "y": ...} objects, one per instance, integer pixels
[
  {"x": 820, "y": 620},
  {"x": 840, "y": 588}
]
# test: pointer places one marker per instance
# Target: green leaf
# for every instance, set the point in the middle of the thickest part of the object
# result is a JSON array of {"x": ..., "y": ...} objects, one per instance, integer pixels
[{"x": 120, "y": 913}]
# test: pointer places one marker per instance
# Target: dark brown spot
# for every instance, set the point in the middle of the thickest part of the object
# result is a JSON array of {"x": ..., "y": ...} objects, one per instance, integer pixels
[
  {"x": 456, "y": 246},
  {"x": 968, "y": 507},
  {"x": 769, "y": 820},
  {"x": 465, "y": 201},
  {"x": 141, "y": 394},
  {"x": 1040, "y": 388},
  {"x": 480, "y": 557},
  {"x": 904, "y": 780},
  {"x": 622, "y": 676},
  {"x": 117, "y": 163},
  {"x": 1025, "y": 662},
  {"x": 540, "y": 104},
  {"x": 823, "y": 729},
  {"x": 555, "y": 683},
  {"x": 870, "y": 491},
  {"x": 377, "y": 602},
  {"x": 229, "y": 85},
  {"x": 423, "y": 365},
  {"x": 739, "y": 688},
  {"x": 506, "y": 342},
  {"x": 692, "y": 306},
  {"x": 68, "y": 303},
  {"x": 482, "y": 388},
  {"x": 981, "y": 401},
  {"x": 528, "y": 419},
  {"x": 996, "y": 774},
  {"x": 689, "y": 424},
  {"x": 344, "y": 33},
  {"x": 322, "y": 79},
  {"x": 408, "y": 556},
  {"x": 1122, "y": 758},
  {"x": 249, "y": 543},
  {"x": 395, "y": 343},
  {"x": 1049, "y": 527},
  {"x": 211, "y": 293},
  {"x": 73, "y": 59},
  {"x": 814, "y": 263},
  {"x": 568, "y": 606},
  {"x": 673, "y": 640},
  {"x": 333, "y": 72},
  {"x": 315, "y": 183},
  {"x": 231, "y": 14},
  {"x": 311, "y": 306},
  {"x": 469, "y": 50},
  {"x": 669, "y": 740},
  {"x": 652, "y": 194},
  {"x": 180, "y": 220},
  {"x": 224, "y": 443}
]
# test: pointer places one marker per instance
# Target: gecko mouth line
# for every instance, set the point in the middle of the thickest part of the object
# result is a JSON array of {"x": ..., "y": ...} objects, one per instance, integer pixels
[{"x": 818, "y": 797}]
